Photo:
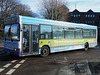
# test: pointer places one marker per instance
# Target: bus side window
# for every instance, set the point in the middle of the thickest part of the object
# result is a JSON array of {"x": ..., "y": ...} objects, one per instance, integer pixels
[
  {"x": 86, "y": 33},
  {"x": 45, "y": 31},
  {"x": 69, "y": 33},
  {"x": 78, "y": 33},
  {"x": 58, "y": 32}
]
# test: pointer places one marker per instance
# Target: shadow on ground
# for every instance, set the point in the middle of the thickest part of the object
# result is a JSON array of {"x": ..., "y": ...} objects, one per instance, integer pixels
[
  {"x": 77, "y": 68},
  {"x": 6, "y": 56}
]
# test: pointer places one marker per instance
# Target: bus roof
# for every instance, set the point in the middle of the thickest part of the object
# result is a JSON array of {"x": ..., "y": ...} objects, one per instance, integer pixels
[{"x": 38, "y": 21}]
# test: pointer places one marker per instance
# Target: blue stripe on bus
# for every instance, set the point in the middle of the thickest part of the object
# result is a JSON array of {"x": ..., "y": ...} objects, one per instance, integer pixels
[
  {"x": 37, "y": 21},
  {"x": 40, "y": 51},
  {"x": 92, "y": 45},
  {"x": 67, "y": 48}
]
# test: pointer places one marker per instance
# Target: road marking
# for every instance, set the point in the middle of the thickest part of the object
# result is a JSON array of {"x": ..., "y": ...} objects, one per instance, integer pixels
[
  {"x": 1, "y": 69},
  {"x": 10, "y": 71},
  {"x": 16, "y": 66},
  {"x": 13, "y": 61},
  {"x": 22, "y": 61},
  {"x": 7, "y": 65}
]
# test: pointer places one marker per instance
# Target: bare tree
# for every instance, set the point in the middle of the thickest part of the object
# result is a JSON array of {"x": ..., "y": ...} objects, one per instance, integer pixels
[
  {"x": 6, "y": 7},
  {"x": 9, "y": 7},
  {"x": 51, "y": 9},
  {"x": 23, "y": 10}
]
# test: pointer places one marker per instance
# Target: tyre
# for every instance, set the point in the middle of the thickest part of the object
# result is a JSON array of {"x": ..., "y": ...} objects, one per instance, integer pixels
[
  {"x": 86, "y": 46},
  {"x": 44, "y": 51}
]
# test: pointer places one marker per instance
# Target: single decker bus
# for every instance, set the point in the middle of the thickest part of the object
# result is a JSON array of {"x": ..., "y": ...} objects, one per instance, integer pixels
[{"x": 31, "y": 36}]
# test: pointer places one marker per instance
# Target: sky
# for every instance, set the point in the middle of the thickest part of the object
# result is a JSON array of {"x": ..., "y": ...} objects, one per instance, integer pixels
[{"x": 81, "y": 5}]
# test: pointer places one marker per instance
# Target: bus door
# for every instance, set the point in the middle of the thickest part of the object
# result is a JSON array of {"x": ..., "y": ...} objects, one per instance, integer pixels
[
  {"x": 26, "y": 39},
  {"x": 30, "y": 39},
  {"x": 35, "y": 38}
]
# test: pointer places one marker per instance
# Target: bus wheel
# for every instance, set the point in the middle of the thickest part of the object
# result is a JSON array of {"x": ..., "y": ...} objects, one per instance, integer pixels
[
  {"x": 86, "y": 46},
  {"x": 45, "y": 51}
]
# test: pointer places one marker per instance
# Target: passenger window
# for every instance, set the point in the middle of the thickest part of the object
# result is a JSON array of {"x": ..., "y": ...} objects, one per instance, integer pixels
[
  {"x": 45, "y": 32},
  {"x": 86, "y": 33},
  {"x": 93, "y": 33},
  {"x": 69, "y": 33},
  {"x": 58, "y": 32},
  {"x": 78, "y": 33}
]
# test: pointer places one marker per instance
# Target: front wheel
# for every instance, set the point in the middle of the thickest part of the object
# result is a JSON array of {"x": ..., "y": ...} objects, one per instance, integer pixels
[
  {"x": 86, "y": 46},
  {"x": 45, "y": 51}
]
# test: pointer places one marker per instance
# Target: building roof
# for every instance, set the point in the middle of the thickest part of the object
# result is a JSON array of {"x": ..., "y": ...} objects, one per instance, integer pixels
[
  {"x": 89, "y": 11},
  {"x": 75, "y": 10}
]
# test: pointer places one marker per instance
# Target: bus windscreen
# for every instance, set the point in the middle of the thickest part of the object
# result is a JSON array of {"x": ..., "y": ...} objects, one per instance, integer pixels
[{"x": 12, "y": 32}]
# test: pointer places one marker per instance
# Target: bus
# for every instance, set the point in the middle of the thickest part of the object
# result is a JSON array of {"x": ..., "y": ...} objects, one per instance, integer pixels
[{"x": 34, "y": 36}]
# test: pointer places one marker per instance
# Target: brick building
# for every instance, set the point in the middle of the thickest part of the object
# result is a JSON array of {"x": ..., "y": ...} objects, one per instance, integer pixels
[{"x": 90, "y": 17}]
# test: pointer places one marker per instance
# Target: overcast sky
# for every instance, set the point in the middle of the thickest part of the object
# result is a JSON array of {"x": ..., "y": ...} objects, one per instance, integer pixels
[{"x": 81, "y": 5}]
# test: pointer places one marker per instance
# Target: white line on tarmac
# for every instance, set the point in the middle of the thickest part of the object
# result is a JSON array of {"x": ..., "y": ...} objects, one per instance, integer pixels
[
  {"x": 10, "y": 71},
  {"x": 7, "y": 65},
  {"x": 16, "y": 66},
  {"x": 22, "y": 61},
  {"x": 1, "y": 69},
  {"x": 13, "y": 61}
]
